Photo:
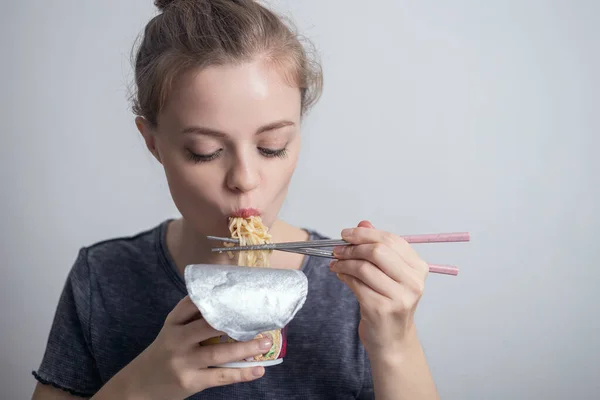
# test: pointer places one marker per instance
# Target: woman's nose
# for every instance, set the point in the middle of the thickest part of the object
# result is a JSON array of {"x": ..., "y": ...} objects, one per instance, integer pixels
[{"x": 243, "y": 176}]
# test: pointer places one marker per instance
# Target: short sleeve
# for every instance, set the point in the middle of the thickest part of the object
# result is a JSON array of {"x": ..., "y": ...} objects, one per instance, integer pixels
[
  {"x": 68, "y": 362},
  {"x": 367, "y": 392}
]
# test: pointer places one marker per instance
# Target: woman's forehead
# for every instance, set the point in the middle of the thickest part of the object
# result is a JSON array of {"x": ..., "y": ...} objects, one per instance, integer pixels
[{"x": 250, "y": 93}]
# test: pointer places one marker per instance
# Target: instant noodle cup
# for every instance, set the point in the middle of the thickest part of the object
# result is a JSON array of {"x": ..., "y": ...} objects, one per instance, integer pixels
[
  {"x": 247, "y": 303},
  {"x": 273, "y": 356}
]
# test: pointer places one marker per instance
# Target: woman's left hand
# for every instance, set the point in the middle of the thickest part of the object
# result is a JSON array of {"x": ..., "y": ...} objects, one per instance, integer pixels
[{"x": 387, "y": 277}]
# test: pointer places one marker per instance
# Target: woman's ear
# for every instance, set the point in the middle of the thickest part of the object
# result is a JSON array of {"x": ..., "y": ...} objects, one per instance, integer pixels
[{"x": 149, "y": 135}]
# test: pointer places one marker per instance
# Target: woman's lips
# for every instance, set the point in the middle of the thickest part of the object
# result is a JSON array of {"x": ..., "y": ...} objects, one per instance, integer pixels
[{"x": 245, "y": 213}]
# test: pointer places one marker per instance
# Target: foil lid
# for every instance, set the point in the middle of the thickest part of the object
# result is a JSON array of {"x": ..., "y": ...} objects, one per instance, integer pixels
[{"x": 245, "y": 301}]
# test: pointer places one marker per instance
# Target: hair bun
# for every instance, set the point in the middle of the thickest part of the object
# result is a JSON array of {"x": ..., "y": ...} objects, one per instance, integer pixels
[{"x": 162, "y": 4}]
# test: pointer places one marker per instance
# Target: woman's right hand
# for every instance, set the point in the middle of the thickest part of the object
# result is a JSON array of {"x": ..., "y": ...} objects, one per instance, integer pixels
[{"x": 175, "y": 366}]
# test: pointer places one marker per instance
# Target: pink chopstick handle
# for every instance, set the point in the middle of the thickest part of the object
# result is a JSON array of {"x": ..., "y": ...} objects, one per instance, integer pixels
[
  {"x": 439, "y": 237},
  {"x": 443, "y": 269}
]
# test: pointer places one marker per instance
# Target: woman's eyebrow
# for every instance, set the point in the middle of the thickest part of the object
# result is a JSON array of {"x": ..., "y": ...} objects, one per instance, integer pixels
[{"x": 199, "y": 130}]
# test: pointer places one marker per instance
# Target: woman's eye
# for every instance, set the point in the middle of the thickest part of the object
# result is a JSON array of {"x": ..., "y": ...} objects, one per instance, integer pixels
[
  {"x": 281, "y": 153},
  {"x": 200, "y": 158}
]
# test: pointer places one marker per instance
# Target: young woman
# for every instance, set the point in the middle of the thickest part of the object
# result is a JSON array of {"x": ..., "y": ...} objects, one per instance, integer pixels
[{"x": 222, "y": 86}]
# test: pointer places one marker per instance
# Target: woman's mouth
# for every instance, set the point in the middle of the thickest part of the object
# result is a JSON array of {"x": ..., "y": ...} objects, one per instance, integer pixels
[{"x": 245, "y": 213}]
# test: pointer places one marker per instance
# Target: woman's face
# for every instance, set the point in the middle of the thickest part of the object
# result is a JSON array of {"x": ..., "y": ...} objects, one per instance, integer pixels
[{"x": 228, "y": 140}]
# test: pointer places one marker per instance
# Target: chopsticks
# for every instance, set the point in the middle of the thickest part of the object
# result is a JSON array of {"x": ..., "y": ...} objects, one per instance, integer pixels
[
  {"x": 428, "y": 238},
  {"x": 314, "y": 247}
]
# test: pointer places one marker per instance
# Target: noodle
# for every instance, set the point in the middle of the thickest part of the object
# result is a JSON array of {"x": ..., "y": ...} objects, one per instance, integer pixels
[{"x": 250, "y": 231}]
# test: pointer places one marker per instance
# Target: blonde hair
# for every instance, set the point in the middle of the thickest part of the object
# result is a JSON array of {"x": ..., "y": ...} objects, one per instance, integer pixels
[{"x": 191, "y": 34}]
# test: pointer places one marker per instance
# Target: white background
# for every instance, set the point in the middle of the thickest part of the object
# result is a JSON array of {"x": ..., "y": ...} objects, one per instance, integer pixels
[{"x": 472, "y": 116}]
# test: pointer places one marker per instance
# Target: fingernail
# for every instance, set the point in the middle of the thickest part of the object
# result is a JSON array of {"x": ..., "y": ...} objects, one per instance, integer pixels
[
  {"x": 265, "y": 344},
  {"x": 257, "y": 371},
  {"x": 332, "y": 264},
  {"x": 347, "y": 232},
  {"x": 338, "y": 250}
]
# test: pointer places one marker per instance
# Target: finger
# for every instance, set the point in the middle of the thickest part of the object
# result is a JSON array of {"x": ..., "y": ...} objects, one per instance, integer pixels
[
  {"x": 364, "y": 294},
  {"x": 228, "y": 376},
  {"x": 184, "y": 312},
  {"x": 218, "y": 354},
  {"x": 366, "y": 224},
  {"x": 368, "y": 274},
  {"x": 386, "y": 259},
  {"x": 364, "y": 235},
  {"x": 198, "y": 331}
]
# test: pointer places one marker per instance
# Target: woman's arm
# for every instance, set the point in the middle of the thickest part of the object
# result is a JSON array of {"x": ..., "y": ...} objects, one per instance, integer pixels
[
  {"x": 173, "y": 366},
  {"x": 387, "y": 277},
  {"x": 47, "y": 392},
  {"x": 403, "y": 373}
]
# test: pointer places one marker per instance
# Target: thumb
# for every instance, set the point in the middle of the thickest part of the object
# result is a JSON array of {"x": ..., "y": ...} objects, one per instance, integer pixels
[{"x": 365, "y": 224}]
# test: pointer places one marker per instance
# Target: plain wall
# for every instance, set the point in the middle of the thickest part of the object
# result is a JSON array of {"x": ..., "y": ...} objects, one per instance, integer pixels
[{"x": 436, "y": 116}]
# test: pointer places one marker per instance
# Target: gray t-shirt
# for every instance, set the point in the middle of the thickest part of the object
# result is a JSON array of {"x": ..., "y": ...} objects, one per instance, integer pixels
[{"x": 119, "y": 292}]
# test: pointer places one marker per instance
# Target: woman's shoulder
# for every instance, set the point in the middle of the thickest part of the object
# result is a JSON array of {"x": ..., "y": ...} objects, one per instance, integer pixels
[
  {"x": 133, "y": 245},
  {"x": 318, "y": 267},
  {"x": 315, "y": 234},
  {"x": 119, "y": 255}
]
